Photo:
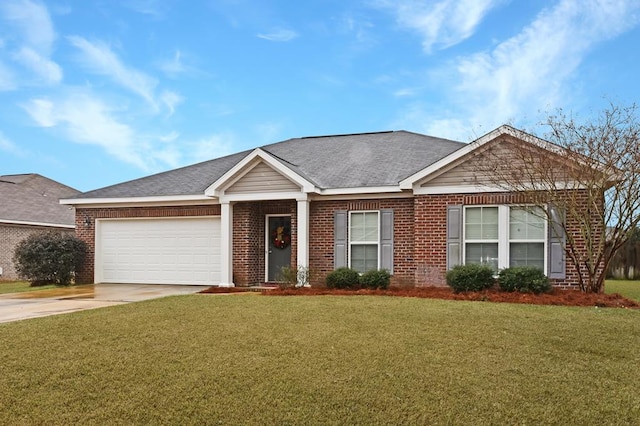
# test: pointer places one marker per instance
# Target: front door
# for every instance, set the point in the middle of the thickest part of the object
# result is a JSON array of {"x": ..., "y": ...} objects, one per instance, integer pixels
[{"x": 278, "y": 246}]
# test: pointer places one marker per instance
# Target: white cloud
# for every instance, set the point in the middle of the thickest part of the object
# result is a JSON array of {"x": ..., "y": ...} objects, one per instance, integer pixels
[
  {"x": 34, "y": 22},
  {"x": 279, "y": 34},
  {"x": 100, "y": 59},
  {"x": 531, "y": 69},
  {"x": 47, "y": 70},
  {"x": 442, "y": 24},
  {"x": 32, "y": 45},
  {"x": 41, "y": 111},
  {"x": 83, "y": 118},
  {"x": 7, "y": 79},
  {"x": 528, "y": 72},
  {"x": 171, "y": 100},
  {"x": 87, "y": 120},
  {"x": 174, "y": 66},
  {"x": 154, "y": 8},
  {"x": 170, "y": 137},
  {"x": 7, "y": 145},
  {"x": 404, "y": 92},
  {"x": 213, "y": 146}
]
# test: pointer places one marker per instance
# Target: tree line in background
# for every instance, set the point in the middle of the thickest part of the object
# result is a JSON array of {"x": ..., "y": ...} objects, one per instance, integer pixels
[{"x": 625, "y": 264}]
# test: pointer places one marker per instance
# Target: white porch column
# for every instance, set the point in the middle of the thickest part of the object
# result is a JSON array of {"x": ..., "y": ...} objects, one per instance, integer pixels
[
  {"x": 226, "y": 241},
  {"x": 303, "y": 238}
]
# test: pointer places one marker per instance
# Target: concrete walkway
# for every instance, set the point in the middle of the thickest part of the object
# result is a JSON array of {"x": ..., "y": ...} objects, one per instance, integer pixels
[{"x": 33, "y": 304}]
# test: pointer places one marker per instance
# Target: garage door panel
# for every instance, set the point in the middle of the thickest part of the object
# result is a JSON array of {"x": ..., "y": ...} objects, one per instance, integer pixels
[{"x": 159, "y": 251}]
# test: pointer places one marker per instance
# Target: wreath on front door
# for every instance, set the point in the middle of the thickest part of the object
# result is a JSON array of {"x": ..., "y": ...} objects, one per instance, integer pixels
[{"x": 280, "y": 237}]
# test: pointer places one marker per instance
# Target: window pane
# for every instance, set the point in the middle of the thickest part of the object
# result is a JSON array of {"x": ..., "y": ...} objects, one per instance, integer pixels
[
  {"x": 371, "y": 227},
  {"x": 483, "y": 253},
  {"x": 357, "y": 226},
  {"x": 526, "y": 254},
  {"x": 364, "y": 257},
  {"x": 526, "y": 224},
  {"x": 481, "y": 223},
  {"x": 364, "y": 227}
]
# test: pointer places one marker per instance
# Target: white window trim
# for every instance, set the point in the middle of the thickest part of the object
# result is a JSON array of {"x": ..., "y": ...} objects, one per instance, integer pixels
[
  {"x": 504, "y": 239},
  {"x": 351, "y": 242}
]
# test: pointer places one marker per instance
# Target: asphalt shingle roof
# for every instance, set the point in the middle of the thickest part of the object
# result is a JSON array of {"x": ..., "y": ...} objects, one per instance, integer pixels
[
  {"x": 341, "y": 161},
  {"x": 35, "y": 199}
]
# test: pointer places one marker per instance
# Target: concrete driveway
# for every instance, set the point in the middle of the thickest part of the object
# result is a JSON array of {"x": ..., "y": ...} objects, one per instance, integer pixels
[{"x": 33, "y": 304}]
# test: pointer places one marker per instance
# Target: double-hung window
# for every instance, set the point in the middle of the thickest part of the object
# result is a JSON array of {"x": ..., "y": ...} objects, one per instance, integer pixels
[
  {"x": 364, "y": 238},
  {"x": 481, "y": 236},
  {"x": 526, "y": 237},
  {"x": 505, "y": 236}
]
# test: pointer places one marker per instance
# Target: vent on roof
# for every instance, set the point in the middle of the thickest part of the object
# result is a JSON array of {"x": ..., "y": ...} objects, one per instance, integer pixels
[{"x": 347, "y": 134}]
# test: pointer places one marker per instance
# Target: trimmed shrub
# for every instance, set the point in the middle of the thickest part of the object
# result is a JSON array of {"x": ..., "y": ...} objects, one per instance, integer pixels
[
  {"x": 49, "y": 258},
  {"x": 472, "y": 277},
  {"x": 343, "y": 278},
  {"x": 376, "y": 278},
  {"x": 525, "y": 279}
]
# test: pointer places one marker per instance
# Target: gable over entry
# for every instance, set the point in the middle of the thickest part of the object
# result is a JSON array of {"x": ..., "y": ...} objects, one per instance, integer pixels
[{"x": 261, "y": 177}]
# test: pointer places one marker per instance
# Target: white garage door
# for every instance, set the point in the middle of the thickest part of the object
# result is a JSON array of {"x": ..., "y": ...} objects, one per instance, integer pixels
[{"x": 159, "y": 251}]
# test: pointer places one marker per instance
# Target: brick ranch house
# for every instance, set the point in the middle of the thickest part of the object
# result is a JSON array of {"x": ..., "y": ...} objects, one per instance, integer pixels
[
  {"x": 30, "y": 205},
  {"x": 397, "y": 200}
]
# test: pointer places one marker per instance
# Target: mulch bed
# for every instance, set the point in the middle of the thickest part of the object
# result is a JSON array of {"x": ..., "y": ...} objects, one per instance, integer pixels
[{"x": 556, "y": 297}]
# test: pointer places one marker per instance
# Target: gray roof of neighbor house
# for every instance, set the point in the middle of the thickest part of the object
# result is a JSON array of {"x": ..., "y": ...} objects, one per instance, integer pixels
[
  {"x": 340, "y": 161},
  {"x": 31, "y": 198}
]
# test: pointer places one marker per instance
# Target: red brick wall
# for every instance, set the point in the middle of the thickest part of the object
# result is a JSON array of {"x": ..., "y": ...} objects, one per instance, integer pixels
[
  {"x": 87, "y": 233},
  {"x": 249, "y": 222},
  {"x": 321, "y": 242},
  {"x": 431, "y": 234},
  {"x": 419, "y": 234}
]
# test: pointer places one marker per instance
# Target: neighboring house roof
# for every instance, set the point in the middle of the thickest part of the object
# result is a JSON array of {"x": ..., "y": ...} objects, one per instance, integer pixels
[
  {"x": 342, "y": 161},
  {"x": 34, "y": 199}
]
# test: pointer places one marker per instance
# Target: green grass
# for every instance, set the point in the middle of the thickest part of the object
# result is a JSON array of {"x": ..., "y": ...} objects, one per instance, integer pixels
[
  {"x": 629, "y": 289},
  {"x": 251, "y": 359},
  {"x": 20, "y": 286}
]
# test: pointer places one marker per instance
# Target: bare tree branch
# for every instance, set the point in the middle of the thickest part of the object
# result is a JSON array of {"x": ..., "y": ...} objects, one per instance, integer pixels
[{"x": 590, "y": 169}]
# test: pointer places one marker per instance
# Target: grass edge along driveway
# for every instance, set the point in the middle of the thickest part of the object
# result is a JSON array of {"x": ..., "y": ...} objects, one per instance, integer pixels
[{"x": 339, "y": 360}]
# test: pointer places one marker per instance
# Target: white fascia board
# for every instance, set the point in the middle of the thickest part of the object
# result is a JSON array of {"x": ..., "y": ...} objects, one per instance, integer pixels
[
  {"x": 474, "y": 145},
  {"x": 24, "y": 222},
  {"x": 237, "y": 171},
  {"x": 264, "y": 196},
  {"x": 361, "y": 196},
  {"x": 140, "y": 201},
  {"x": 360, "y": 190},
  {"x": 477, "y": 189}
]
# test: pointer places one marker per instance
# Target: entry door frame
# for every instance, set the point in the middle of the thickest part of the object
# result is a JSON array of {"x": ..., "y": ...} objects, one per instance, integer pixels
[{"x": 267, "y": 242}]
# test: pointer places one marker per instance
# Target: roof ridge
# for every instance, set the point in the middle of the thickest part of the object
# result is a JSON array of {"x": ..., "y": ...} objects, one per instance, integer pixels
[
  {"x": 278, "y": 157},
  {"x": 347, "y": 134}
]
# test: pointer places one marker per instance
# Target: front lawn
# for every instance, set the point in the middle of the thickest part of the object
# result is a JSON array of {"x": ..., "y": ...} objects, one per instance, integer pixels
[
  {"x": 20, "y": 287},
  {"x": 629, "y": 289},
  {"x": 251, "y": 359}
]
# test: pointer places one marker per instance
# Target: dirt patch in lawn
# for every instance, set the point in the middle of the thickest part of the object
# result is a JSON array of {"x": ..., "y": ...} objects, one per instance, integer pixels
[{"x": 556, "y": 297}]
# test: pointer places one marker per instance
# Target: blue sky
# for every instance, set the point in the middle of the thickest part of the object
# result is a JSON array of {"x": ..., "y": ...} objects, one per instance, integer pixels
[{"x": 98, "y": 92}]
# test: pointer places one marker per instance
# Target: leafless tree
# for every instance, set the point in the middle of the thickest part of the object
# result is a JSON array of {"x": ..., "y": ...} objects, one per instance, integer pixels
[{"x": 589, "y": 170}]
